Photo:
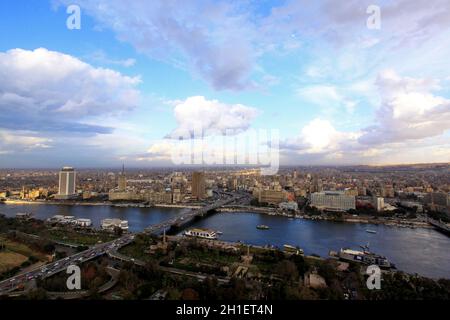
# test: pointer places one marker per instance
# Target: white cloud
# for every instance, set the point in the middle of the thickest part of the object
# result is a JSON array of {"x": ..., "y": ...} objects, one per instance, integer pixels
[
  {"x": 16, "y": 141},
  {"x": 214, "y": 39},
  {"x": 51, "y": 91},
  {"x": 101, "y": 57},
  {"x": 211, "y": 116},
  {"x": 327, "y": 96},
  {"x": 409, "y": 110},
  {"x": 320, "y": 137}
]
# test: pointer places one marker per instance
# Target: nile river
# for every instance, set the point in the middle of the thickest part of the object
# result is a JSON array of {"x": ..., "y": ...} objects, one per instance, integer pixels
[{"x": 422, "y": 251}]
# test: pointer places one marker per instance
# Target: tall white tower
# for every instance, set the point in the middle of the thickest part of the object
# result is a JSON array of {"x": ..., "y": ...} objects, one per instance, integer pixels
[{"x": 67, "y": 180}]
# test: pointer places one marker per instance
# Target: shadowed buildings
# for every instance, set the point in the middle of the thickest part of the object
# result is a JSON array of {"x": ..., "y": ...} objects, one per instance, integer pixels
[{"x": 198, "y": 185}]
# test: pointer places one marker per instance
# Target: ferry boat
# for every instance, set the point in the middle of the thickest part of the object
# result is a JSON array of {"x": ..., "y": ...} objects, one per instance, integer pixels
[
  {"x": 24, "y": 215},
  {"x": 201, "y": 233},
  {"x": 111, "y": 224},
  {"x": 262, "y": 227},
  {"x": 365, "y": 257},
  {"x": 291, "y": 249}
]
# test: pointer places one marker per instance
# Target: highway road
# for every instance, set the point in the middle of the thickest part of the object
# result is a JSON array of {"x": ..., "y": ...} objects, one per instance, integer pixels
[{"x": 55, "y": 267}]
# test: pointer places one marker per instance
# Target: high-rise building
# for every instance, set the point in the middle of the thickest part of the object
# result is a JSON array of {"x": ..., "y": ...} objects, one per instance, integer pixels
[
  {"x": 122, "y": 181},
  {"x": 198, "y": 185},
  {"x": 378, "y": 203},
  {"x": 67, "y": 181},
  {"x": 438, "y": 201}
]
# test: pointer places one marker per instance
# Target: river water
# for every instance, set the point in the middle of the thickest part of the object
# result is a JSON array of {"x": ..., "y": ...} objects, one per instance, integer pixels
[{"x": 422, "y": 251}]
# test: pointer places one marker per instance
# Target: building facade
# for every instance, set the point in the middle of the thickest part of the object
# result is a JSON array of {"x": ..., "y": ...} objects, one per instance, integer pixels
[
  {"x": 333, "y": 201},
  {"x": 67, "y": 183},
  {"x": 198, "y": 185}
]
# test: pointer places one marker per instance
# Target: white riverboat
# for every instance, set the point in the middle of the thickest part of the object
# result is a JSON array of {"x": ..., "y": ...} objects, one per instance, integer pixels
[{"x": 201, "y": 233}]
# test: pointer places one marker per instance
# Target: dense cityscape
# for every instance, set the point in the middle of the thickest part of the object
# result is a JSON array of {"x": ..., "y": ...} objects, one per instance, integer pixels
[{"x": 404, "y": 197}]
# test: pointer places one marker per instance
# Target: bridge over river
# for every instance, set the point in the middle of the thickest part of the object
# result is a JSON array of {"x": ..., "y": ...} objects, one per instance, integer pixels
[{"x": 188, "y": 217}]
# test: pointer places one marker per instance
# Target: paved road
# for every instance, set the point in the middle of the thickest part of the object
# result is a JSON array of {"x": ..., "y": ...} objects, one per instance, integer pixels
[{"x": 55, "y": 267}]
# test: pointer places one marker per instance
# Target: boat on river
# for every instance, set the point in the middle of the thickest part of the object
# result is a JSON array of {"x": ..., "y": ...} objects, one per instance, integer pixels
[
  {"x": 365, "y": 257},
  {"x": 201, "y": 233},
  {"x": 291, "y": 249}
]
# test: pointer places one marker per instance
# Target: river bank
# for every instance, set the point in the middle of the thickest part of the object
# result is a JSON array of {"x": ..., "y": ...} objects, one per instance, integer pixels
[
  {"x": 394, "y": 222},
  {"x": 421, "y": 250},
  {"x": 103, "y": 203}
]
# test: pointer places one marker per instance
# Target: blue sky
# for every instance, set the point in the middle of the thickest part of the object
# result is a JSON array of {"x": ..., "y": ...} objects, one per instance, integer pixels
[{"x": 137, "y": 73}]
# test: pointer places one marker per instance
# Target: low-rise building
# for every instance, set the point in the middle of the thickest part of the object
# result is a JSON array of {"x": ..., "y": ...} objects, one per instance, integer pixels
[{"x": 291, "y": 206}]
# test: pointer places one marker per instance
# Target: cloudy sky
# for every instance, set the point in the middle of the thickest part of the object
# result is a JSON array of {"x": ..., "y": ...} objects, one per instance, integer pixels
[{"x": 138, "y": 73}]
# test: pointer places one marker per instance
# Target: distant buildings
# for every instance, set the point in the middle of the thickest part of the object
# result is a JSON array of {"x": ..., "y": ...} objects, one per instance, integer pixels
[
  {"x": 272, "y": 197},
  {"x": 438, "y": 201},
  {"x": 67, "y": 182},
  {"x": 387, "y": 191},
  {"x": 333, "y": 201},
  {"x": 122, "y": 184},
  {"x": 290, "y": 206},
  {"x": 198, "y": 185}
]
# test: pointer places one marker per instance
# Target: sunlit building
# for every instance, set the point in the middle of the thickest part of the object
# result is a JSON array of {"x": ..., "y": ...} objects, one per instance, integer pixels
[
  {"x": 333, "y": 201},
  {"x": 67, "y": 182}
]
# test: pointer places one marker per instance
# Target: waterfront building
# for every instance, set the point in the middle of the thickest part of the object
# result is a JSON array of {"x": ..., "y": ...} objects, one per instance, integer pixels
[
  {"x": 351, "y": 192},
  {"x": 273, "y": 197},
  {"x": 124, "y": 196},
  {"x": 438, "y": 201},
  {"x": 67, "y": 181},
  {"x": 177, "y": 196},
  {"x": 291, "y": 205},
  {"x": 198, "y": 185},
  {"x": 333, "y": 201},
  {"x": 378, "y": 203}
]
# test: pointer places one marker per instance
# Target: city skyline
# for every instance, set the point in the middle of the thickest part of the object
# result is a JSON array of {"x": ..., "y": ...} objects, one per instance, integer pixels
[{"x": 124, "y": 85}]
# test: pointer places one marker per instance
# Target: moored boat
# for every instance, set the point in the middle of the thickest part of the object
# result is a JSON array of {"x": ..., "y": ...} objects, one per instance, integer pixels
[
  {"x": 365, "y": 257},
  {"x": 201, "y": 233},
  {"x": 291, "y": 249}
]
